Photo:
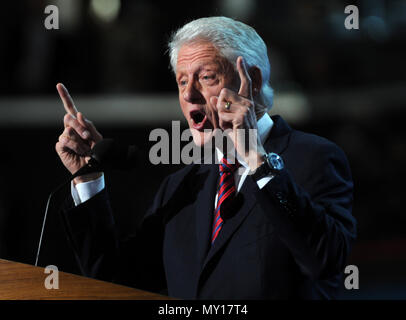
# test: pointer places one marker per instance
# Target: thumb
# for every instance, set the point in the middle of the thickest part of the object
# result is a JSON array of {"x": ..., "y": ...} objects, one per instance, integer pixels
[
  {"x": 213, "y": 102},
  {"x": 88, "y": 125},
  {"x": 82, "y": 119},
  {"x": 86, "y": 134}
]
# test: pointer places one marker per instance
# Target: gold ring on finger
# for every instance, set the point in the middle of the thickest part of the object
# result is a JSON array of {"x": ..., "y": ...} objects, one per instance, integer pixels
[{"x": 227, "y": 105}]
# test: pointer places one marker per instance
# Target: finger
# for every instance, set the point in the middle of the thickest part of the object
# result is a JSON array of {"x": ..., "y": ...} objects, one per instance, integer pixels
[
  {"x": 68, "y": 145},
  {"x": 59, "y": 148},
  {"x": 73, "y": 135},
  {"x": 226, "y": 120},
  {"x": 69, "y": 141},
  {"x": 81, "y": 119},
  {"x": 66, "y": 100},
  {"x": 228, "y": 100},
  {"x": 226, "y": 117},
  {"x": 225, "y": 96},
  {"x": 213, "y": 102},
  {"x": 212, "y": 112},
  {"x": 95, "y": 135},
  {"x": 245, "y": 86},
  {"x": 70, "y": 121}
]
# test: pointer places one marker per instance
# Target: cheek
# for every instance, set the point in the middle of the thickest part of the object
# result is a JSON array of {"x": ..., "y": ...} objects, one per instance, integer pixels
[
  {"x": 215, "y": 90},
  {"x": 183, "y": 107}
]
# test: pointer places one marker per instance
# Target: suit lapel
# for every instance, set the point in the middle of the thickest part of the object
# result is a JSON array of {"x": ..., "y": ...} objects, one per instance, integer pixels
[{"x": 204, "y": 210}]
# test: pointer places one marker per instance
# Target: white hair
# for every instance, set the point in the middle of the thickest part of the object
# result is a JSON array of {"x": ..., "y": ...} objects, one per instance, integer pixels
[{"x": 232, "y": 38}]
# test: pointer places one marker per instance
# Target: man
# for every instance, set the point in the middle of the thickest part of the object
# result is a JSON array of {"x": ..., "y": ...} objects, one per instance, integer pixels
[{"x": 278, "y": 227}]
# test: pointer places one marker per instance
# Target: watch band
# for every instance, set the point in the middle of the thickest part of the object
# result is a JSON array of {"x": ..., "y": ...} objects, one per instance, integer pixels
[{"x": 263, "y": 170}]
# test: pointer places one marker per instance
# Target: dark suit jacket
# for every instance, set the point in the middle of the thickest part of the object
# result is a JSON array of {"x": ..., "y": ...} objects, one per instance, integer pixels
[{"x": 290, "y": 239}]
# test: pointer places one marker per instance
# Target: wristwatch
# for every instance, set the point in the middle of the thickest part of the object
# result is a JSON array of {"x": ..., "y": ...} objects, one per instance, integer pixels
[{"x": 273, "y": 164}]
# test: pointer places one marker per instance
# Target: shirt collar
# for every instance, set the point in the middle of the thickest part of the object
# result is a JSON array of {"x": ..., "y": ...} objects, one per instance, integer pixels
[{"x": 264, "y": 125}]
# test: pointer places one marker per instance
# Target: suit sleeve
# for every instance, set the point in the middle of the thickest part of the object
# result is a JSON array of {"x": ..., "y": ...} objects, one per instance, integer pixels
[
  {"x": 314, "y": 219},
  {"x": 100, "y": 253}
]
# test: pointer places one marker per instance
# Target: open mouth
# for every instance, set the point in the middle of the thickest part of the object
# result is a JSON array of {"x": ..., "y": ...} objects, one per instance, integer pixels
[{"x": 198, "y": 119}]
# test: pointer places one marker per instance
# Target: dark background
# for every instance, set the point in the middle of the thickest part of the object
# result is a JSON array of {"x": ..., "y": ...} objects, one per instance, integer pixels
[{"x": 345, "y": 85}]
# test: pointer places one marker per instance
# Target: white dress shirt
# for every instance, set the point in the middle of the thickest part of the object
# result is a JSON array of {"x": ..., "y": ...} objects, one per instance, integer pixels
[{"x": 82, "y": 192}]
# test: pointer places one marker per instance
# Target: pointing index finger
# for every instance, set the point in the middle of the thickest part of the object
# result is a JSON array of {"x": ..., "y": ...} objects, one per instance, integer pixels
[
  {"x": 67, "y": 100},
  {"x": 245, "y": 86}
]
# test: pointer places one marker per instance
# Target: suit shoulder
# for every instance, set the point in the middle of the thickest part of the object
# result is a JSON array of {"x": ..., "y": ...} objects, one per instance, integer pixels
[
  {"x": 313, "y": 160},
  {"x": 182, "y": 177},
  {"x": 317, "y": 152},
  {"x": 309, "y": 143},
  {"x": 181, "y": 174},
  {"x": 171, "y": 185}
]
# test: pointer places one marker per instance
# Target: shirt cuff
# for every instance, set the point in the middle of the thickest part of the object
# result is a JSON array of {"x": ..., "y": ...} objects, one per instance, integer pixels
[
  {"x": 263, "y": 181},
  {"x": 86, "y": 190}
]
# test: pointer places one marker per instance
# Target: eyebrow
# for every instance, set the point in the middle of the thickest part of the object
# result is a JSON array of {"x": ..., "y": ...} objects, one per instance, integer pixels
[{"x": 211, "y": 66}]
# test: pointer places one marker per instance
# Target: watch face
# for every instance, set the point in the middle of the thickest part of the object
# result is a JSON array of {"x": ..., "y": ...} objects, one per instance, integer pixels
[{"x": 275, "y": 161}]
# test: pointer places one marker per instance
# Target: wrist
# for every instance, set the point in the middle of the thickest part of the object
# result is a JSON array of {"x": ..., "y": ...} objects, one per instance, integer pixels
[
  {"x": 87, "y": 177},
  {"x": 273, "y": 164},
  {"x": 255, "y": 160}
]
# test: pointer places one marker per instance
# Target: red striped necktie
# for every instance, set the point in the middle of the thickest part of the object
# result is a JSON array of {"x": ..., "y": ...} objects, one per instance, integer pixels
[{"x": 225, "y": 192}]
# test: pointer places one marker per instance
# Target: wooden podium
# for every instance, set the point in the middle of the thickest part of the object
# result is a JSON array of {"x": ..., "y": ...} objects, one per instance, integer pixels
[{"x": 20, "y": 281}]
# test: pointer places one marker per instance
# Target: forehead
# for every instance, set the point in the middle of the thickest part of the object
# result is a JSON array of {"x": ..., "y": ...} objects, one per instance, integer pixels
[{"x": 195, "y": 55}]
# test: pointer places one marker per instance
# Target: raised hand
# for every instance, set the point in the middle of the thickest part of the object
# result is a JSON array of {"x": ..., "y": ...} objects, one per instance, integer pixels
[
  {"x": 236, "y": 114},
  {"x": 77, "y": 139}
]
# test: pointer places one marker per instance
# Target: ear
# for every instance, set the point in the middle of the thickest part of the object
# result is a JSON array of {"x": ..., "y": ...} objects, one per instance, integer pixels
[{"x": 256, "y": 80}]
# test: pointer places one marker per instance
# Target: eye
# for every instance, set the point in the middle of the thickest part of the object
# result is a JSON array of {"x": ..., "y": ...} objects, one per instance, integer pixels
[
  {"x": 182, "y": 83},
  {"x": 208, "y": 78}
]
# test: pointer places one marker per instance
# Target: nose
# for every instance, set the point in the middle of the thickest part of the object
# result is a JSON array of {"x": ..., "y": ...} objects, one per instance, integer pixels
[{"x": 192, "y": 94}]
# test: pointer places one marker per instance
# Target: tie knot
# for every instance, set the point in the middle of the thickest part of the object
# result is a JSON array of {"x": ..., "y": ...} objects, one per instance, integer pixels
[{"x": 229, "y": 167}]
